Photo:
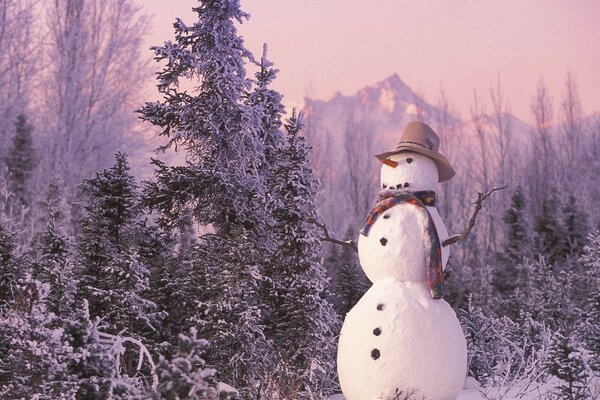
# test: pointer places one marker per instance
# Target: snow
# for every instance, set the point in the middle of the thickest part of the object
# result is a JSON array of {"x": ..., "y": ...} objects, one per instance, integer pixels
[
  {"x": 421, "y": 344},
  {"x": 520, "y": 390}
]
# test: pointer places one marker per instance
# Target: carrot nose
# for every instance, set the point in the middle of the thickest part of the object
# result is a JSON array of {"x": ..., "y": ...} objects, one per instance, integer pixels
[{"x": 389, "y": 162}]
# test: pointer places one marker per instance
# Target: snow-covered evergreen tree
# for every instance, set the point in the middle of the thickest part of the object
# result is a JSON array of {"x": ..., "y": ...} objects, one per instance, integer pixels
[
  {"x": 589, "y": 328},
  {"x": 10, "y": 271},
  {"x": 301, "y": 321},
  {"x": 349, "y": 289},
  {"x": 53, "y": 268},
  {"x": 518, "y": 237},
  {"x": 575, "y": 226},
  {"x": 20, "y": 162},
  {"x": 543, "y": 293},
  {"x": 95, "y": 367},
  {"x": 185, "y": 375},
  {"x": 483, "y": 334},
  {"x": 565, "y": 361},
  {"x": 221, "y": 184},
  {"x": 294, "y": 273},
  {"x": 548, "y": 239},
  {"x": 52, "y": 206},
  {"x": 111, "y": 274},
  {"x": 351, "y": 283},
  {"x": 36, "y": 358}
]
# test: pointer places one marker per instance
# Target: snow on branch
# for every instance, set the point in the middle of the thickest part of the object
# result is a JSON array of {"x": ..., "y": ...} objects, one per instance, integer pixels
[
  {"x": 327, "y": 237},
  {"x": 115, "y": 343},
  {"x": 481, "y": 197}
]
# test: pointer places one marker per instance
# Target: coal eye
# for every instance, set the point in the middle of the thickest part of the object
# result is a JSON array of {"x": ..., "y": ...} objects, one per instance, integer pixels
[
  {"x": 384, "y": 185},
  {"x": 409, "y": 160}
]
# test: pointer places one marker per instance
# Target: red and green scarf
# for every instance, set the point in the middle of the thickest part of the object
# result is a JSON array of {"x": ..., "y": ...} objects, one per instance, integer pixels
[{"x": 433, "y": 248}]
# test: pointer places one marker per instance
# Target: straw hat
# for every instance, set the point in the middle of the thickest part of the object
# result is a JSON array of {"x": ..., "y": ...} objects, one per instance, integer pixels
[{"x": 420, "y": 138}]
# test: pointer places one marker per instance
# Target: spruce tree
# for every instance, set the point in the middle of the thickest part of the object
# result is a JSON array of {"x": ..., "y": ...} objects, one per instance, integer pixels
[
  {"x": 37, "y": 357},
  {"x": 589, "y": 327},
  {"x": 221, "y": 184},
  {"x": 10, "y": 271},
  {"x": 517, "y": 232},
  {"x": 564, "y": 361},
  {"x": 52, "y": 206},
  {"x": 548, "y": 239},
  {"x": 349, "y": 289},
  {"x": 508, "y": 271},
  {"x": 574, "y": 221},
  {"x": 95, "y": 366},
  {"x": 21, "y": 161},
  {"x": 294, "y": 272},
  {"x": 185, "y": 375},
  {"x": 54, "y": 268},
  {"x": 110, "y": 271},
  {"x": 302, "y": 322},
  {"x": 351, "y": 279}
]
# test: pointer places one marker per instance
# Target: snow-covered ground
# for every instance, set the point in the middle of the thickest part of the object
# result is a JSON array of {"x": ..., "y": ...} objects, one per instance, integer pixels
[{"x": 518, "y": 391}]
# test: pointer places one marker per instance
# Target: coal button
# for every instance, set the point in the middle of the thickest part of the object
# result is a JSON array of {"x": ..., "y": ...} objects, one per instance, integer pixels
[{"x": 375, "y": 354}]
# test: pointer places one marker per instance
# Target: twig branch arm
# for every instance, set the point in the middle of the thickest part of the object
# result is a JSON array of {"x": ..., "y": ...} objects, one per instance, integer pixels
[
  {"x": 481, "y": 197},
  {"x": 327, "y": 237}
]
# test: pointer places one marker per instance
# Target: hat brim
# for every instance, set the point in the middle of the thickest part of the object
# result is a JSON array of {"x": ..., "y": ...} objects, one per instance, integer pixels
[{"x": 445, "y": 170}]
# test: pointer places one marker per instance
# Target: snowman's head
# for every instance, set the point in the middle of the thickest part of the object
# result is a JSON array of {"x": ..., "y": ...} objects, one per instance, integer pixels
[{"x": 414, "y": 172}]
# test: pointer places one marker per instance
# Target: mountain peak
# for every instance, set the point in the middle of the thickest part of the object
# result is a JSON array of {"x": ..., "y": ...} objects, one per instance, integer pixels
[{"x": 395, "y": 84}]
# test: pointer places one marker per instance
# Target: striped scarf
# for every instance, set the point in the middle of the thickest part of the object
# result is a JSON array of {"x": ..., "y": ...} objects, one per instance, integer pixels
[{"x": 433, "y": 248}]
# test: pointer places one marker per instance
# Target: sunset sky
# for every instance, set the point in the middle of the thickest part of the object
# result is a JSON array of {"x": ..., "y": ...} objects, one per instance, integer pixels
[{"x": 321, "y": 47}]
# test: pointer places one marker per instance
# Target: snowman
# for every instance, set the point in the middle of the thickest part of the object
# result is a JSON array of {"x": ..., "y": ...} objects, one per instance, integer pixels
[{"x": 402, "y": 340}]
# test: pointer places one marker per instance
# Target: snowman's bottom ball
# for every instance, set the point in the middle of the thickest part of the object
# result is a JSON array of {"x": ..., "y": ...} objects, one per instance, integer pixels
[{"x": 397, "y": 339}]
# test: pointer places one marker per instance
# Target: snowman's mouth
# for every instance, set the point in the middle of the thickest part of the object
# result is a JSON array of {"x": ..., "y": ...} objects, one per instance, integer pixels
[{"x": 400, "y": 186}]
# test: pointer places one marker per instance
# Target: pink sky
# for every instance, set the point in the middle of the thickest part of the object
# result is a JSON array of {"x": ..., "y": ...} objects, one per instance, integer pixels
[{"x": 322, "y": 47}]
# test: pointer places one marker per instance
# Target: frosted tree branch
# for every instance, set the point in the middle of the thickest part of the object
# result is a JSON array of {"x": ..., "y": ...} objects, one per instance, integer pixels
[
  {"x": 327, "y": 237},
  {"x": 481, "y": 197},
  {"x": 115, "y": 345}
]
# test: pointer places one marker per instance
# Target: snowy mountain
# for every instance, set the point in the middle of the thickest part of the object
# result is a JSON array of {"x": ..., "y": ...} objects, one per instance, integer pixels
[{"x": 386, "y": 107}]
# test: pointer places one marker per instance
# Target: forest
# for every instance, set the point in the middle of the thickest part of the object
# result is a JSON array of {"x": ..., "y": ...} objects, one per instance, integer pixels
[{"x": 211, "y": 279}]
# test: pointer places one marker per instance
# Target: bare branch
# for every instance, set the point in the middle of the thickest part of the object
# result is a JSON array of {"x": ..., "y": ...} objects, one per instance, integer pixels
[
  {"x": 481, "y": 197},
  {"x": 327, "y": 238}
]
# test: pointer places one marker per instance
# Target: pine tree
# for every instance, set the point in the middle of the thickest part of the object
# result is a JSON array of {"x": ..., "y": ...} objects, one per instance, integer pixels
[
  {"x": 590, "y": 324},
  {"x": 508, "y": 271},
  {"x": 185, "y": 375},
  {"x": 94, "y": 367},
  {"x": 575, "y": 226},
  {"x": 294, "y": 301},
  {"x": 351, "y": 284},
  {"x": 110, "y": 271},
  {"x": 221, "y": 184},
  {"x": 303, "y": 321},
  {"x": 349, "y": 289},
  {"x": 21, "y": 161},
  {"x": 38, "y": 358},
  {"x": 268, "y": 104},
  {"x": 9, "y": 267},
  {"x": 548, "y": 233},
  {"x": 564, "y": 361},
  {"x": 52, "y": 206},
  {"x": 53, "y": 268},
  {"x": 517, "y": 232},
  {"x": 484, "y": 341}
]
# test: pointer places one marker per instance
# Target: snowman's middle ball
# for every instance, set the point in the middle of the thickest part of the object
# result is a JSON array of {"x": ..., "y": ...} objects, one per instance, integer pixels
[{"x": 394, "y": 247}]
